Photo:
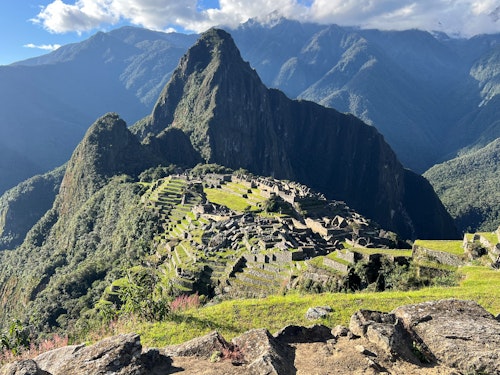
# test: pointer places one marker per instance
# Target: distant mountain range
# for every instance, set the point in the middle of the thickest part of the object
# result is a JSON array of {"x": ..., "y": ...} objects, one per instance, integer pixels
[
  {"x": 431, "y": 96},
  {"x": 47, "y": 103}
]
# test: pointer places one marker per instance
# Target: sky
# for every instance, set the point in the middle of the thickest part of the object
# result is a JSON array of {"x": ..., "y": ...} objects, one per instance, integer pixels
[{"x": 30, "y": 28}]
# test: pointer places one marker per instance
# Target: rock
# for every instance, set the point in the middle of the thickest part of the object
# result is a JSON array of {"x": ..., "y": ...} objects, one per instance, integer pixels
[
  {"x": 202, "y": 347},
  {"x": 314, "y": 313},
  {"x": 119, "y": 355},
  {"x": 383, "y": 330},
  {"x": 361, "y": 319},
  {"x": 299, "y": 334},
  {"x": 374, "y": 365},
  {"x": 364, "y": 351},
  {"x": 24, "y": 367},
  {"x": 460, "y": 334},
  {"x": 52, "y": 360},
  {"x": 154, "y": 363},
  {"x": 264, "y": 353},
  {"x": 340, "y": 331}
]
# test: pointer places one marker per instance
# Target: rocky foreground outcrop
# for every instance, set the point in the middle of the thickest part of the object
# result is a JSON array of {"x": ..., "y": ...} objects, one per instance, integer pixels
[{"x": 440, "y": 337}]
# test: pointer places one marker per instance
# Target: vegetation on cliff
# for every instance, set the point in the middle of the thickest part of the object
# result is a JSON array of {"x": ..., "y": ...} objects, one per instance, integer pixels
[
  {"x": 22, "y": 206},
  {"x": 469, "y": 188}
]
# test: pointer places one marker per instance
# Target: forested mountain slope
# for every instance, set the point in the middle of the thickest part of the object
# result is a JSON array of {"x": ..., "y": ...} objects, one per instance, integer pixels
[{"x": 469, "y": 188}]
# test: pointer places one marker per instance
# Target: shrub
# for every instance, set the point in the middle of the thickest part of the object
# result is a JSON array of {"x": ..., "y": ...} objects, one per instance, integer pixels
[
  {"x": 31, "y": 349},
  {"x": 16, "y": 339},
  {"x": 185, "y": 302}
]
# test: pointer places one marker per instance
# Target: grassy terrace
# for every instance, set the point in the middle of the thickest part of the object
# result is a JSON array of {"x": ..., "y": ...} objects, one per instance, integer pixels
[
  {"x": 318, "y": 263},
  {"x": 490, "y": 236},
  {"x": 334, "y": 256},
  {"x": 435, "y": 265},
  {"x": 452, "y": 247},
  {"x": 232, "y": 194},
  {"x": 225, "y": 198},
  {"x": 232, "y": 318},
  {"x": 392, "y": 252}
]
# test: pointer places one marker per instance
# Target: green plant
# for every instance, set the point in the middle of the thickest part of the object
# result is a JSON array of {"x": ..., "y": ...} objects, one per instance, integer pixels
[
  {"x": 16, "y": 338},
  {"x": 216, "y": 356},
  {"x": 139, "y": 295},
  {"x": 419, "y": 352}
]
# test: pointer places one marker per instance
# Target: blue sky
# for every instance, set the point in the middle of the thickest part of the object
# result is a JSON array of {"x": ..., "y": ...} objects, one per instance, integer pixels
[
  {"x": 17, "y": 31},
  {"x": 30, "y": 28}
]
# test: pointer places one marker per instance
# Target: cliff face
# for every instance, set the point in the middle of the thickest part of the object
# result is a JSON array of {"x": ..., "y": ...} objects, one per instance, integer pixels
[{"x": 232, "y": 119}]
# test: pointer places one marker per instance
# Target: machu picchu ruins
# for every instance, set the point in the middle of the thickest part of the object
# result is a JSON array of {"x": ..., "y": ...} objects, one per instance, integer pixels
[
  {"x": 240, "y": 235},
  {"x": 232, "y": 235}
]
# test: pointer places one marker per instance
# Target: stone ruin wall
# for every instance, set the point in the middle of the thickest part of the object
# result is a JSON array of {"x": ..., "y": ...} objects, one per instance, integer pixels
[{"x": 420, "y": 252}]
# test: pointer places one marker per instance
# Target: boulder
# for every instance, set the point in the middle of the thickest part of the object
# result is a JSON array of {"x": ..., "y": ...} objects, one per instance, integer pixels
[
  {"x": 52, "y": 360},
  {"x": 299, "y": 334},
  {"x": 340, "y": 331},
  {"x": 318, "y": 312},
  {"x": 383, "y": 330},
  {"x": 24, "y": 367},
  {"x": 119, "y": 355},
  {"x": 265, "y": 354},
  {"x": 203, "y": 347},
  {"x": 460, "y": 334}
]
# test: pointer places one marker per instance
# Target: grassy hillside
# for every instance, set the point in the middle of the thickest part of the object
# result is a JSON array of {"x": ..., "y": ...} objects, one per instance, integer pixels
[
  {"x": 232, "y": 318},
  {"x": 162, "y": 257},
  {"x": 468, "y": 187}
]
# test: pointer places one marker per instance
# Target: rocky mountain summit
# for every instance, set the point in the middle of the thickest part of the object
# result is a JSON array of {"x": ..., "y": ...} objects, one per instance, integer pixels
[{"x": 439, "y": 337}]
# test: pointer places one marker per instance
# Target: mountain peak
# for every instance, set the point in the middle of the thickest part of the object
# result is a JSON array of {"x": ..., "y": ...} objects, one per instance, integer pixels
[
  {"x": 213, "y": 46},
  {"x": 108, "y": 149},
  {"x": 210, "y": 67}
]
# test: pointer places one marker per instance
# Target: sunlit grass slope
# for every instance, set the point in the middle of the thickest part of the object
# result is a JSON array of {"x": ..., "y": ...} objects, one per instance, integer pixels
[{"x": 232, "y": 318}]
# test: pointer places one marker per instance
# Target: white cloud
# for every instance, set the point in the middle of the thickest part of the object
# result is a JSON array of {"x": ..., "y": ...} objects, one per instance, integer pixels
[
  {"x": 465, "y": 17},
  {"x": 45, "y": 47}
]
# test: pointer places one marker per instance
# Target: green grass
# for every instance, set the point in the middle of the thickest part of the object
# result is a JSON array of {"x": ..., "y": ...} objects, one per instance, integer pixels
[
  {"x": 335, "y": 257},
  {"x": 452, "y": 247},
  {"x": 469, "y": 236},
  {"x": 231, "y": 318},
  {"x": 318, "y": 263},
  {"x": 237, "y": 187},
  {"x": 490, "y": 236},
  {"x": 225, "y": 198},
  {"x": 435, "y": 265}
]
